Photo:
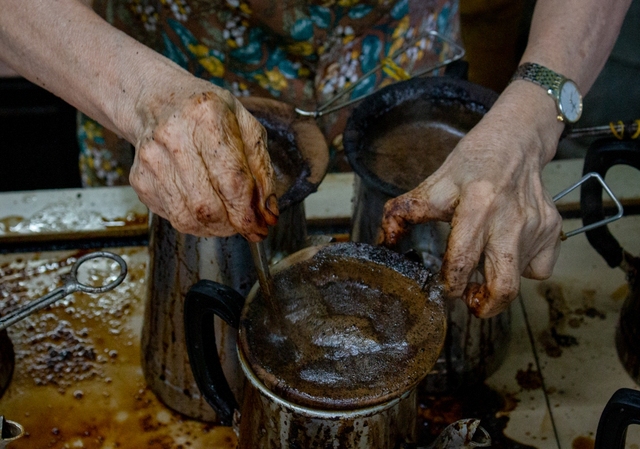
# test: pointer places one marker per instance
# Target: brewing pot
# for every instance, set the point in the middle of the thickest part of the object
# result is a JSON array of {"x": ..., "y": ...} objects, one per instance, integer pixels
[
  {"x": 300, "y": 157},
  {"x": 394, "y": 140},
  {"x": 361, "y": 327},
  {"x": 601, "y": 155}
]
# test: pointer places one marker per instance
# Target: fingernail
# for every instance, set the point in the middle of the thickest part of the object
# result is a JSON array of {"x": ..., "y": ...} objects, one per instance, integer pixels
[
  {"x": 476, "y": 296},
  {"x": 272, "y": 205}
]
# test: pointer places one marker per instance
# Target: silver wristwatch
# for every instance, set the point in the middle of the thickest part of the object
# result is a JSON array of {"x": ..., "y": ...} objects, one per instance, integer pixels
[{"x": 564, "y": 91}]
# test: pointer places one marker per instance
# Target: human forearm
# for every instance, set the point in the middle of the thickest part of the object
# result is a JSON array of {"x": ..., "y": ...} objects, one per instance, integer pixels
[
  {"x": 575, "y": 37},
  {"x": 67, "y": 49}
]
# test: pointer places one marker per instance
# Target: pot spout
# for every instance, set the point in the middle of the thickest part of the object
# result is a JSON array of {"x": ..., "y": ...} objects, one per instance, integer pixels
[
  {"x": 463, "y": 434},
  {"x": 9, "y": 432}
]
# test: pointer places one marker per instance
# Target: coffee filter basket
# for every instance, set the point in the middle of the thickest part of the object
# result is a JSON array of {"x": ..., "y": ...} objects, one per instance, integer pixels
[{"x": 435, "y": 99}]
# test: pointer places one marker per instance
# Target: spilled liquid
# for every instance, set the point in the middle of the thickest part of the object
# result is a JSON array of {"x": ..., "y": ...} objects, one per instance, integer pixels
[
  {"x": 77, "y": 381},
  {"x": 356, "y": 333}
]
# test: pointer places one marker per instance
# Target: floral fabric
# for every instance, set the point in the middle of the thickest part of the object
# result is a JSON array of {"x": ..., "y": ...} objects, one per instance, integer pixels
[{"x": 303, "y": 52}]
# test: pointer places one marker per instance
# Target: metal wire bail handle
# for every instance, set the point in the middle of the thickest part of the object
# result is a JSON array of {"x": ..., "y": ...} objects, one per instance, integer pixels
[
  {"x": 71, "y": 286},
  {"x": 323, "y": 109},
  {"x": 597, "y": 224}
]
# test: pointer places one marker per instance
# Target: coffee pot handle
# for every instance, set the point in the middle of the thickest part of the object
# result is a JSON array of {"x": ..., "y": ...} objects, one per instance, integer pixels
[
  {"x": 203, "y": 302},
  {"x": 601, "y": 156},
  {"x": 622, "y": 410}
]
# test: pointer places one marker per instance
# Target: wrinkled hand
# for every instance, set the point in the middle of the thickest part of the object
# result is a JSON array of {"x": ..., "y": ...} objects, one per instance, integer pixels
[
  {"x": 202, "y": 163},
  {"x": 490, "y": 189}
]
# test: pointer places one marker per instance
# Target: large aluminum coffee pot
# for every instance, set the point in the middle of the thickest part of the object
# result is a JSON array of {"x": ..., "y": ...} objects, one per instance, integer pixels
[{"x": 300, "y": 158}]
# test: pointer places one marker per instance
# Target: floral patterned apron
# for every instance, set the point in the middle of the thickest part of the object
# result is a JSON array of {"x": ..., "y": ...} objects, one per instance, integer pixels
[{"x": 303, "y": 52}]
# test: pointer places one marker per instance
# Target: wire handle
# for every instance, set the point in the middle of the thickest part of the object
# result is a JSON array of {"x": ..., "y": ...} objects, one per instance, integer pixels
[
  {"x": 389, "y": 63},
  {"x": 597, "y": 224},
  {"x": 72, "y": 285}
]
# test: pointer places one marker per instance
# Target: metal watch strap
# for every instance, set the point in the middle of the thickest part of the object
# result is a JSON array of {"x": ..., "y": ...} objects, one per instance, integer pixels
[{"x": 539, "y": 75}]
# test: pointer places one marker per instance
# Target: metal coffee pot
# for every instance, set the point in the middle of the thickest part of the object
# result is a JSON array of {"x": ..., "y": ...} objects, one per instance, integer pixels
[
  {"x": 300, "y": 157},
  {"x": 361, "y": 327}
]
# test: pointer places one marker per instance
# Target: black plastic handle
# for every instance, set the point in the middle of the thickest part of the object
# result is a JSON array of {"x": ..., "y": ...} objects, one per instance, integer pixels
[
  {"x": 601, "y": 156},
  {"x": 204, "y": 300},
  {"x": 458, "y": 69},
  {"x": 622, "y": 410}
]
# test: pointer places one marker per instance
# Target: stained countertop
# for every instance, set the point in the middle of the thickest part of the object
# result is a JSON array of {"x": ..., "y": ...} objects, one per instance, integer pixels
[{"x": 77, "y": 381}]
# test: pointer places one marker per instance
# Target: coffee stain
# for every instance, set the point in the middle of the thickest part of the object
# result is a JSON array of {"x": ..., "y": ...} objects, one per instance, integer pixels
[
  {"x": 589, "y": 297},
  {"x": 529, "y": 379},
  {"x": 6, "y": 223},
  {"x": 561, "y": 316},
  {"x": 68, "y": 217},
  {"x": 621, "y": 292},
  {"x": 583, "y": 443},
  {"x": 558, "y": 308}
]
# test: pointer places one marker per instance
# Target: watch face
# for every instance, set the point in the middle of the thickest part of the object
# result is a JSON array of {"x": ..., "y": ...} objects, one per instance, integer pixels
[{"x": 570, "y": 101}]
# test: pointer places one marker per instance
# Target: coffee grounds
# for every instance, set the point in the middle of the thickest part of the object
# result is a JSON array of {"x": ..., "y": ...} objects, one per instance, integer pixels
[
  {"x": 356, "y": 333},
  {"x": 410, "y": 142}
]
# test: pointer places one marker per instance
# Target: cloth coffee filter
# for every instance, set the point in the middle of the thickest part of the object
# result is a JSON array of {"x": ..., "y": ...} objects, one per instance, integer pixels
[
  {"x": 298, "y": 150},
  {"x": 401, "y": 134},
  {"x": 362, "y": 325}
]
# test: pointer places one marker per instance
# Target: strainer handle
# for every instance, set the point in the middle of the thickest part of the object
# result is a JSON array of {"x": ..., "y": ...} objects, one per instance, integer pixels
[
  {"x": 328, "y": 107},
  {"x": 601, "y": 156},
  {"x": 602, "y": 221}
]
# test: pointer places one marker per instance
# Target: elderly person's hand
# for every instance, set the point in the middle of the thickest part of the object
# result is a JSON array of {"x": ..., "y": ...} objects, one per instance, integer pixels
[
  {"x": 202, "y": 162},
  {"x": 490, "y": 189},
  {"x": 201, "y": 158}
]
